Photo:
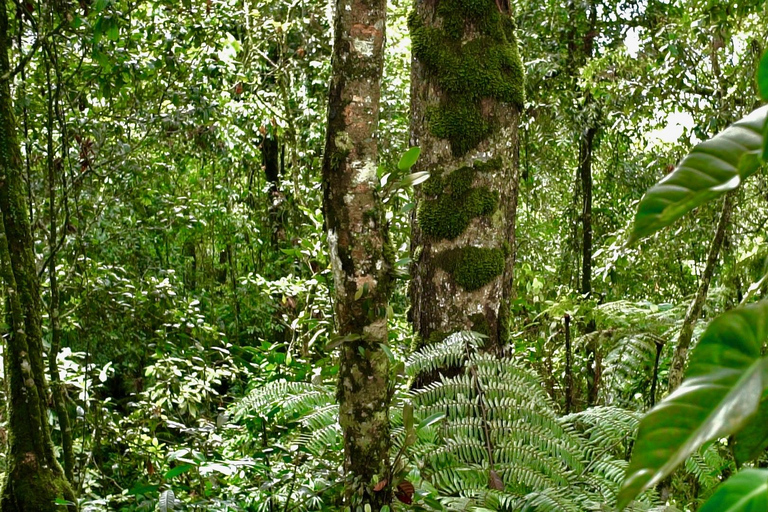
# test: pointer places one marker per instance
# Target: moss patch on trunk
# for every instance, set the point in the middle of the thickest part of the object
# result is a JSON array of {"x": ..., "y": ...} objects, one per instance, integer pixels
[
  {"x": 451, "y": 202},
  {"x": 487, "y": 66},
  {"x": 472, "y": 267}
]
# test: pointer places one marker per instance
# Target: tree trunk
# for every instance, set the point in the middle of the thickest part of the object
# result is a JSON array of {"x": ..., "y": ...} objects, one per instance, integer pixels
[
  {"x": 34, "y": 478},
  {"x": 586, "y": 145},
  {"x": 568, "y": 371},
  {"x": 360, "y": 250},
  {"x": 467, "y": 88},
  {"x": 57, "y": 388},
  {"x": 679, "y": 358},
  {"x": 593, "y": 356},
  {"x": 581, "y": 49}
]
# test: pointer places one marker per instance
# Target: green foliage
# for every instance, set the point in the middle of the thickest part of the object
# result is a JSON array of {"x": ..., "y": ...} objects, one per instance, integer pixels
[
  {"x": 762, "y": 77},
  {"x": 185, "y": 272},
  {"x": 722, "y": 390},
  {"x": 712, "y": 168},
  {"x": 762, "y": 87},
  {"x": 498, "y": 418},
  {"x": 744, "y": 492}
]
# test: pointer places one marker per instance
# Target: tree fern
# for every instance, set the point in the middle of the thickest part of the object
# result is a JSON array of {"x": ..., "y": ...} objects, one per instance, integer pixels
[{"x": 500, "y": 423}]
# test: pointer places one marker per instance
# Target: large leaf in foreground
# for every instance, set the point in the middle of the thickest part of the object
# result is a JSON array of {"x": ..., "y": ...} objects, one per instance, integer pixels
[
  {"x": 746, "y": 491},
  {"x": 752, "y": 440},
  {"x": 722, "y": 390},
  {"x": 762, "y": 87},
  {"x": 712, "y": 168}
]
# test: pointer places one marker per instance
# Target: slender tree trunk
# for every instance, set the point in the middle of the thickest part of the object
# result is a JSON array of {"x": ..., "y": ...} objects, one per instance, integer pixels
[
  {"x": 594, "y": 360},
  {"x": 568, "y": 371},
  {"x": 467, "y": 86},
  {"x": 360, "y": 251},
  {"x": 57, "y": 389},
  {"x": 586, "y": 145},
  {"x": 655, "y": 378},
  {"x": 680, "y": 356},
  {"x": 270, "y": 158},
  {"x": 34, "y": 478},
  {"x": 581, "y": 50}
]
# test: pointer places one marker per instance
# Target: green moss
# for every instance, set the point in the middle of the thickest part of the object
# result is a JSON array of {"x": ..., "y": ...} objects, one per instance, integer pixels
[
  {"x": 487, "y": 66},
  {"x": 455, "y": 202},
  {"x": 461, "y": 122},
  {"x": 480, "y": 324},
  {"x": 472, "y": 267},
  {"x": 434, "y": 337}
]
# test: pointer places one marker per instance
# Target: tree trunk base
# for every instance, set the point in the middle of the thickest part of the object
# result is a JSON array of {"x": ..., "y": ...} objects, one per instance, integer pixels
[{"x": 29, "y": 488}]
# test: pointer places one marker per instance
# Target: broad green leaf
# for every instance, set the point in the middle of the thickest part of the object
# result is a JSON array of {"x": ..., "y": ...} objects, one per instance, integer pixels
[
  {"x": 178, "y": 470},
  {"x": 409, "y": 158},
  {"x": 712, "y": 168},
  {"x": 762, "y": 87},
  {"x": 167, "y": 501},
  {"x": 414, "y": 179},
  {"x": 721, "y": 392},
  {"x": 765, "y": 142},
  {"x": 143, "y": 489},
  {"x": 746, "y": 491},
  {"x": 762, "y": 77},
  {"x": 751, "y": 441}
]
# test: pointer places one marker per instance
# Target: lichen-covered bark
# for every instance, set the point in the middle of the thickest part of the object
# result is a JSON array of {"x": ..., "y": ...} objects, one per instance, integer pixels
[
  {"x": 34, "y": 478},
  {"x": 467, "y": 87},
  {"x": 359, "y": 247}
]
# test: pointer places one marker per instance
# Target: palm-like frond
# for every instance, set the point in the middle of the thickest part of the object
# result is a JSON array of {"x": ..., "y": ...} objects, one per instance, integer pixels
[{"x": 499, "y": 418}]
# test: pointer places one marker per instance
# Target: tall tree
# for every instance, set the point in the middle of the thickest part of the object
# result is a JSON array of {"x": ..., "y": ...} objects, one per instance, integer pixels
[
  {"x": 467, "y": 87},
  {"x": 34, "y": 479},
  {"x": 580, "y": 51},
  {"x": 360, "y": 251}
]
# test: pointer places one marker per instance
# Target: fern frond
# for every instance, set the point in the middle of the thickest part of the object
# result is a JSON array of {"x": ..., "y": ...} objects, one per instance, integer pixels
[
  {"x": 551, "y": 500},
  {"x": 449, "y": 353},
  {"x": 606, "y": 428},
  {"x": 631, "y": 359},
  {"x": 706, "y": 465},
  {"x": 291, "y": 397}
]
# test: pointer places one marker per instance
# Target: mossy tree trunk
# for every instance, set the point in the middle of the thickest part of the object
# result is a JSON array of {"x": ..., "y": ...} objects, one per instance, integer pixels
[
  {"x": 360, "y": 251},
  {"x": 467, "y": 88},
  {"x": 34, "y": 478}
]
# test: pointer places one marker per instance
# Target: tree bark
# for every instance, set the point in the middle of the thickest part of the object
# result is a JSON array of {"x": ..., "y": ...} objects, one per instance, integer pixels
[
  {"x": 34, "y": 478},
  {"x": 680, "y": 356},
  {"x": 360, "y": 251},
  {"x": 57, "y": 388},
  {"x": 594, "y": 359},
  {"x": 467, "y": 88},
  {"x": 581, "y": 50},
  {"x": 568, "y": 371}
]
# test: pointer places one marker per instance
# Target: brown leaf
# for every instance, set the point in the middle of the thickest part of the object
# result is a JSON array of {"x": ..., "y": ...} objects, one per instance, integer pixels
[
  {"x": 405, "y": 492},
  {"x": 494, "y": 481},
  {"x": 380, "y": 485}
]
